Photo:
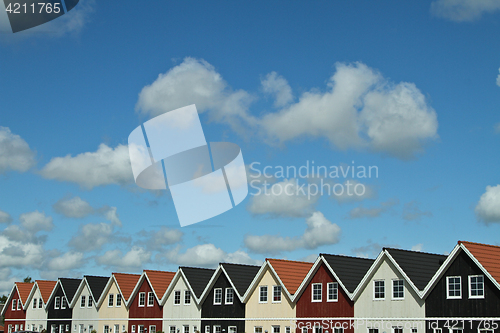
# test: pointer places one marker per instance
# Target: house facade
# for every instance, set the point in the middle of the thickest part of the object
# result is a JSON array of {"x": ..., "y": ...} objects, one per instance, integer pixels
[
  {"x": 271, "y": 295},
  {"x": 466, "y": 286},
  {"x": 84, "y": 304},
  {"x": 112, "y": 305},
  {"x": 36, "y": 313},
  {"x": 181, "y": 302},
  {"x": 223, "y": 298},
  {"x": 145, "y": 310},
  {"x": 14, "y": 310},
  {"x": 59, "y": 313}
]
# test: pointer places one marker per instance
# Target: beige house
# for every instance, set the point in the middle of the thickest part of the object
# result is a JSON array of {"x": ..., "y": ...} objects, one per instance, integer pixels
[
  {"x": 271, "y": 295},
  {"x": 112, "y": 305}
]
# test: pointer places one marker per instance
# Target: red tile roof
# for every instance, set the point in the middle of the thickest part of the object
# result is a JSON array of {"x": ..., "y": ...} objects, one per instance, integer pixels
[
  {"x": 291, "y": 273},
  {"x": 24, "y": 290},
  {"x": 160, "y": 281},
  {"x": 127, "y": 283},
  {"x": 45, "y": 288},
  {"x": 487, "y": 255}
]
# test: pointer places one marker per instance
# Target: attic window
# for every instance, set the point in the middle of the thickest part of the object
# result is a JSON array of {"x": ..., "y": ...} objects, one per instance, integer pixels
[
  {"x": 64, "y": 304},
  {"x": 111, "y": 300},
  {"x": 398, "y": 289},
  {"x": 217, "y": 296},
  {"x": 276, "y": 294},
  {"x": 90, "y": 303},
  {"x": 229, "y": 295},
  {"x": 34, "y": 303},
  {"x": 177, "y": 297},
  {"x": 476, "y": 286},
  {"x": 57, "y": 302},
  {"x": 118, "y": 300},
  {"x": 151, "y": 299},
  {"x": 333, "y": 292},
  {"x": 453, "y": 287},
  {"x": 19, "y": 304},
  {"x": 40, "y": 304},
  {"x": 316, "y": 292},
  {"x": 142, "y": 299},
  {"x": 14, "y": 304},
  {"x": 187, "y": 297},
  {"x": 379, "y": 289},
  {"x": 83, "y": 301}
]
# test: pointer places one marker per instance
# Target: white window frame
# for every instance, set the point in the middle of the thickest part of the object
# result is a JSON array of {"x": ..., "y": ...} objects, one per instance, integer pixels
[
  {"x": 35, "y": 303},
  {"x": 229, "y": 291},
  {"x": 40, "y": 304},
  {"x": 320, "y": 292},
  {"x": 470, "y": 287},
  {"x": 274, "y": 293},
  {"x": 64, "y": 302},
  {"x": 172, "y": 329},
  {"x": 392, "y": 294},
  {"x": 276, "y": 329},
  {"x": 90, "y": 302},
  {"x": 185, "y": 329},
  {"x": 187, "y": 297},
  {"x": 118, "y": 300},
  {"x": 288, "y": 329},
  {"x": 207, "y": 328},
  {"x": 151, "y": 330},
  {"x": 216, "y": 291},
  {"x": 256, "y": 329},
  {"x": 19, "y": 305},
  {"x": 83, "y": 301},
  {"x": 151, "y": 297},
  {"x": 374, "y": 294},
  {"x": 229, "y": 329},
  {"x": 142, "y": 295},
  {"x": 335, "y": 286},
  {"x": 448, "y": 287},
  {"x": 394, "y": 328},
  {"x": 14, "y": 304},
  {"x": 111, "y": 300},
  {"x": 177, "y": 292},
  {"x": 261, "y": 288},
  {"x": 133, "y": 328},
  {"x": 57, "y": 302},
  {"x": 219, "y": 329}
]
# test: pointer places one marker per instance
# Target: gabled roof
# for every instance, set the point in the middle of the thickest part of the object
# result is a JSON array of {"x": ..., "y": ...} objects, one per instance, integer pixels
[
  {"x": 68, "y": 286},
  {"x": 240, "y": 277},
  {"x": 158, "y": 280},
  {"x": 290, "y": 275},
  {"x": 486, "y": 257},
  {"x": 125, "y": 283},
  {"x": 196, "y": 280},
  {"x": 348, "y": 271},
  {"x": 45, "y": 288},
  {"x": 420, "y": 267},
  {"x": 95, "y": 284},
  {"x": 23, "y": 289}
]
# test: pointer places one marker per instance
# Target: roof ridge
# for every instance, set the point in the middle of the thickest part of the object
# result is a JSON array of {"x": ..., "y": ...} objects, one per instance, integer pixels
[
  {"x": 392, "y": 248},
  {"x": 344, "y": 256},
  {"x": 208, "y": 269},
  {"x": 134, "y": 274},
  {"x": 229, "y": 263},
  {"x": 157, "y": 271},
  {"x": 297, "y": 261},
  {"x": 482, "y": 244}
]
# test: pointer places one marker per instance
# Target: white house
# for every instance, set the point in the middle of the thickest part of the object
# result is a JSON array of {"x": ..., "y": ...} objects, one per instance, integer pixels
[
  {"x": 84, "y": 303},
  {"x": 36, "y": 312}
]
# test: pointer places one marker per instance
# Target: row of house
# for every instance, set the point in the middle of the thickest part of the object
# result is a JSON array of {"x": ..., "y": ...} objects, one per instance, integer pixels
[{"x": 398, "y": 292}]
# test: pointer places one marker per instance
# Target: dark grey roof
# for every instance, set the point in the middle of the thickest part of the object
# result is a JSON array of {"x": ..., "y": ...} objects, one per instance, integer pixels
[
  {"x": 419, "y": 266},
  {"x": 96, "y": 285},
  {"x": 350, "y": 270},
  {"x": 70, "y": 286},
  {"x": 198, "y": 278},
  {"x": 241, "y": 275}
]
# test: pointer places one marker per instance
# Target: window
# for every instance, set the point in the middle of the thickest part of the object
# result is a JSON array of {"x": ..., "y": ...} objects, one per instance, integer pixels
[
  {"x": 338, "y": 330},
  {"x": 232, "y": 329},
  {"x": 19, "y": 304},
  {"x": 141, "y": 328},
  {"x": 229, "y": 295},
  {"x": 111, "y": 300},
  {"x": 106, "y": 329},
  {"x": 318, "y": 329},
  {"x": 90, "y": 302},
  {"x": 83, "y": 301},
  {"x": 133, "y": 328},
  {"x": 14, "y": 304},
  {"x": 414, "y": 330},
  {"x": 57, "y": 302},
  {"x": 185, "y": 329},
  {"x": 217, "y": 329},
  {"x": 40, "y": 328},
  {"x": 172, "y": 329},
  {"x": 333, "y": 292},
  {"x": 316, "y": 292},
  {"x": 276, "y": 294},
  {"x": 10, "y": 329},
  {"x": 263, "y": 294},
  {"x": 67, "y": 328},
  {"x": 207, "y": 329},
  {"x": 397, "y": 329},
  {"x": 276, "y": 329},
  {"x": 152, "y": 328},
  {"x": 438, "y": 330},
  {"x": 151, "y": 299},
  {"x": 40, "y": 304},
  {"x": 398, "y": 290},
  {"x": 476, "y": 286},
  {"x": 454, "y": 287},
  {"x": 379, "y": 289},
  {"x": 373, "y": 330},
  {"x": 177, "y": 297},
  {"x": 74, "y": 328},
  {"x": 287, "y": 329},
  {"x": 91, "y": 328},
  {"x": 142, "y": 299},
  {"x": 187, "y": 297},
  {"x": 21, "y": 326},
  {"x": 64, "y": 303},
  {"x": 304, "y": 329},
  {"x": 217, "y": 296},
  {"x": 34, "y": 303},
  {"x": 118, "y": 300},
  {"x": 117, "y": 329},
  {"x": 80, "y": 328},
  {"x": 257, "y": 329}
]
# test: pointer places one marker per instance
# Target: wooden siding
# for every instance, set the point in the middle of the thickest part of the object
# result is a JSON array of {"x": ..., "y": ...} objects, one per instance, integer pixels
[
  {"x": 58, "y": 316},
  {"x": 14, "y": 314},
  {"x": 137, "y": 312}
]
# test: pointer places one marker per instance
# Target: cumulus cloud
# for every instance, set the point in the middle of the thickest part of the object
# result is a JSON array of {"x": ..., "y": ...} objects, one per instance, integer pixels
[
  {"x": 15, "y": 153},
  {"x": 277, "y": 86},
  {"x": 103, "y": 167},
  {"x": 134, "y": 258},
  {"x": 353, "y": 191},
  {"x": 488, "y": 207},
  {"x": 362, "y": 212},
  {"x": 411, "y": 212},
  {"x": 5, "y": 217},
  {"x": 417, "y": 247},
  {"x": 6, "y": 280},
  {"x": 319, "y": 231},
  {"x": 91, "y": 236},
  {"x": 208, "y": 255},
  {"x": 359, "y": 109},
  {"x": 36, "y": 221},
  {"x": 288, "y": 198},
  {"x": 67, "y": 261},
  {"x": 20, "y": 252},
  {"x": 155, "y": 240},
  {"x": 463, "y": 10},
  {"x": 73, "y": 207}
]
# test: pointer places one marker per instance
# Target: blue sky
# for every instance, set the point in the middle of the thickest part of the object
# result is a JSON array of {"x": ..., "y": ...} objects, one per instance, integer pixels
[{"x": 412, "y": 88}]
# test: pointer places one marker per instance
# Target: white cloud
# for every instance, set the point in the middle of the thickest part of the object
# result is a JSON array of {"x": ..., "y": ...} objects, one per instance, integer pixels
[
  {"x": 165, "y": 236},
  {"x": 310, "y": 258},
  {"x": 277, "y": 85},
  {"x": 134, "y": 258},
  {"x": 411, "y": 212},
  {"x": 417, "y": 247},
  {"x": 498, "y": 78},
  {"x": 319, "y": 231},
  {"x": 15, "y": 153},
  {"x": 5, "y": 217},
  {"x": 207, "y": 255},
  {"x": 67, "y": 261},
  {"x": 91, "y": 236},
  {"x": 74, "y": 207},
  {"x": 361, "y": 212},
  {"x": 353, "y": 191},
  {"x": 104, "y": 167},
  {"x": 20, "y": 253},
  {"x": 36, "y": 221},
  {"x": 463, "y": 10},
  {"x": 6, "y": 280},
  {"x": 110, "y": 213},
  {"x": 286, "y": 198},
  {"x": 488, "y": 207},
  {"x": 371, "y": 250}
]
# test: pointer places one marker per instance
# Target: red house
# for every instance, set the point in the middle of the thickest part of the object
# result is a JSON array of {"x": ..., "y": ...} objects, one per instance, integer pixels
[
  {"x": 14, "y": 310},
  {"x": 145, "y": 313},
  {"x": 327, "y": 291}
]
